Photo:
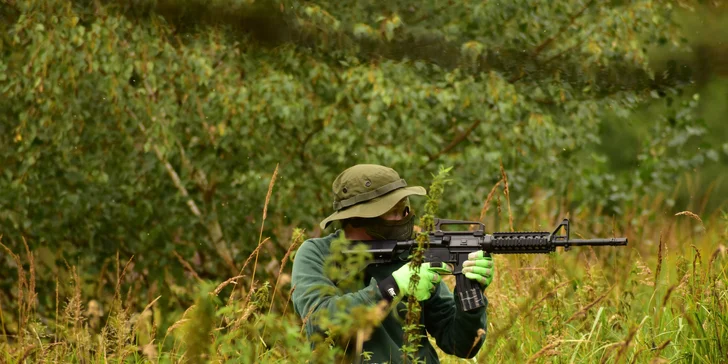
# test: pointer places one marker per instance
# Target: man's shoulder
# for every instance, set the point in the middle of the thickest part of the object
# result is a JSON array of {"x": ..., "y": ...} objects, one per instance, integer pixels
[{"x": 317, "y": 246}]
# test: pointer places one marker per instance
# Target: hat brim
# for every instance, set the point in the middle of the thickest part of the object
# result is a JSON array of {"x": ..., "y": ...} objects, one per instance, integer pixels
[{"x": 374, "y": 207}]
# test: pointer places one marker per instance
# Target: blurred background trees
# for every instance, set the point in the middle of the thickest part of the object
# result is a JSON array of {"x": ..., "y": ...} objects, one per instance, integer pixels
[{"x": 152, "y": 128}]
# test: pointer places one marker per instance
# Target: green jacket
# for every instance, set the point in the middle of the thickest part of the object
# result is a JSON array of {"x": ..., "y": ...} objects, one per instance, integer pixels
[{"x": 454, "y": 330}]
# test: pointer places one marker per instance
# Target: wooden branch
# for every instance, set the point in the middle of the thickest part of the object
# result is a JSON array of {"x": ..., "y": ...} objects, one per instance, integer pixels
[
  {"x": 302, "y": 147},
  {"x": 517, "y": 77},
  {"x": 213, "y": 227},
  {"x": 569, "y": 49},
  {"x": 171, "y": 172},
  {"x": 541, "y": 47},
  {"x": 563, "y": 28},
  {"x": 429, "y": 14},
  {"x": 456, "y": 141}
]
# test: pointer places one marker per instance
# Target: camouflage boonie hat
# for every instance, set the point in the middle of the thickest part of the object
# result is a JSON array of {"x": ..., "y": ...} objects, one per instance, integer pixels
[{"x": 368, "y": 190}]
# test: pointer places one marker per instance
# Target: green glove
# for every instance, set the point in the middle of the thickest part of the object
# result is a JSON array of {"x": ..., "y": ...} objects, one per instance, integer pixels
[
  {"x": 479, "y": 268},
  {"x": 399, "y": 281}
]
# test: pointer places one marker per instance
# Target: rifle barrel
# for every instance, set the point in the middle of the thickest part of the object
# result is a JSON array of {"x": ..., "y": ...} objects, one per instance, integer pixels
[{"x": 593, "y": 242}]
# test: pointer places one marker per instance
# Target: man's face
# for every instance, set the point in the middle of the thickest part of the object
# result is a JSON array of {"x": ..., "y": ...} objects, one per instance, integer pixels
[
  {"x": 390, "y": 228},
  {"x": 398, "y": 212}
]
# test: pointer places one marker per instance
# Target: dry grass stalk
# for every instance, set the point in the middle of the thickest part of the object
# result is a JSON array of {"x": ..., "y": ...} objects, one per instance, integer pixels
[
  {"x": 102, "y": 278},
  {"x": 497, "y": 205},
  {"x": 262, "y": 225},
  {"x": 184, "y": 314},
  {"x": 515, "y": 312},
  {"x": 29, "y": 350},
  {"x": 222, "y": 285},
  {"x": 623, "y": 348},
  {"x": 593, "y": 255},
  {"x": 270, "y": 192},
  {"x": 656, "y": 350},
  {"x": 249, "y": 308},
  {"x": 148, "y": 306},
  {"x": 721, "y": 250},
  {"x": 663, "y": 346},
  {"x": 548, "y": 295},
  {"x": 22, "y": 284},
  {"x": 481, "y": 334},
  {"x": 687, "y": 316},
  {"x": 176, "y": 325},
  {"x": 692, "y": 216},
  {"x": 261, "y": 241},
  {"x": 252, "y": 282},
  {"x": 659, "y": 261},
  {"x": 516, "y": 274},
  {"x": 179, "y": 322},
  {"x": 117, "y": 289},
  {"x": 255, "y": 252},
  {"x": 637, "y": 354},
  {"x": 306, "y": 318},
  {"x": 288, "y": 301},
  {"x": 507, "y": 192},
  {"x": 486, "y": 204},
  {"x": 55, "y": 329},
  {"x": 671, "y": 289},
  {"x": 187, "y": 265},
  {"x": 73, "y": 310},
  {"x": 48, "y": 348},
  {"x": 698, "y": 257},
  {"x": 296, "y": 241},
  {"x": 587, "y": 307},
  {"x": 543, "y": 350},
  {"x": 30, "y": 297},
  {"x": 120, "y": 276}
]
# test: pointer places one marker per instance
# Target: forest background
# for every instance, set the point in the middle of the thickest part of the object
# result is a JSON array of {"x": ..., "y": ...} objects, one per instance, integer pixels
[{"x": 150, "y": 146}]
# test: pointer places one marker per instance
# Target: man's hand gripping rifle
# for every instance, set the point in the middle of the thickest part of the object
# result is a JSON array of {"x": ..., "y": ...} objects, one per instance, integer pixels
[{"x": 453, "y": 247}]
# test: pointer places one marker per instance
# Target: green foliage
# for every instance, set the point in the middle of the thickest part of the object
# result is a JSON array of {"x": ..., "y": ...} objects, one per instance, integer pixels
[
  {"x": 343, "y": 325},
  {"x": 151, "y": 128},
  {"x": 346, "y": 269}
]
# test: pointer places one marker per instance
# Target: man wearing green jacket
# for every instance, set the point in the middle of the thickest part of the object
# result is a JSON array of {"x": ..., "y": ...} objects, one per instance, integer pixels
[{"x": 372, "y": 202}]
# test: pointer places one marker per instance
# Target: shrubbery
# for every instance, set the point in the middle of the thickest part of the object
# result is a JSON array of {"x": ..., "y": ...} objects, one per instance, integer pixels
[{"x": 153, "y": 131}]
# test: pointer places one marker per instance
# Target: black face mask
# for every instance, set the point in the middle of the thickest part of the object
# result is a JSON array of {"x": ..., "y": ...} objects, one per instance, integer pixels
[{"x": 383, "y": 229}]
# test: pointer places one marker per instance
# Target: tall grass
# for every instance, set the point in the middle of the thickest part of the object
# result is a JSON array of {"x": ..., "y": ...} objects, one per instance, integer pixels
[{"x": 663, "y": 298}]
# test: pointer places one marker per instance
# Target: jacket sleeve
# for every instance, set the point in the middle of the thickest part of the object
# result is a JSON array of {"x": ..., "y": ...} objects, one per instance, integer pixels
[
  {"x": 454, "y": 330},
  {"x": 313, "y": 292}
]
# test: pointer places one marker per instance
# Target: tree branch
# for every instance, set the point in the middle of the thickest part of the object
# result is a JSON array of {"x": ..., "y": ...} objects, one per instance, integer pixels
[
  {"x": 170, "y": 171},
  {"x": 429, "y": 14},
  {"x": 561, "y": 30},
  {"x": 214, "y": 229},
  {"x": 541, "y": 47},
  {"x": 569, "y": 49},
  {"x": 302, "y": 153},
  {"x": 456, "y": 141}
]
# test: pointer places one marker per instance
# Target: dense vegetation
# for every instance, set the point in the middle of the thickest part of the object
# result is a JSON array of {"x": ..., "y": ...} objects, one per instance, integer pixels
[{"x": 151, "y": 150}]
